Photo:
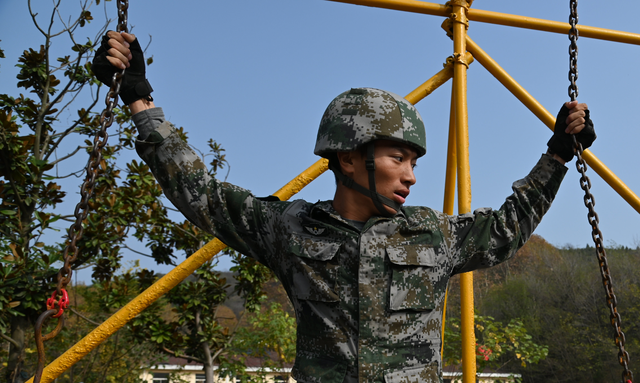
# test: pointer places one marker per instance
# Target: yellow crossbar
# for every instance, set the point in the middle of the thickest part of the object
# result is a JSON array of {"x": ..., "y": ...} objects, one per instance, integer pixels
[{"x": 498, "y": 18}]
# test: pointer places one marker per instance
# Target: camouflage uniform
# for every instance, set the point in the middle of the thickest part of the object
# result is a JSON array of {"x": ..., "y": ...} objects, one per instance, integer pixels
[{"x": 368, "y": 302}]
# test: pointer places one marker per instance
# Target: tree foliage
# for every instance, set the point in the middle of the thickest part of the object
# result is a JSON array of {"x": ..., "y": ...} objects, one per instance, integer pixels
[
  {"x": 558, "y": 296},
  {"x": 42, "y": 159},
  {"x": 497, "y": 345},
  {"x": 270, "y": 337},
  {"x": 199, "y": 327}
]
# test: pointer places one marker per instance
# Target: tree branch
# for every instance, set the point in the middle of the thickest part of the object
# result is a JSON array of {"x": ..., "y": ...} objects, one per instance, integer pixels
[
  {"x": 137, "y": 252},
  {"x": 44, "y": 95},
  {"x": 76, "y": 174},
  {"x": 68, "y": 218},
  {"x": 106, "y": 365},
  {"x": 228, "y": 342},
  {"x": 10, "y": 340},
  {"x": 16, "y": 192},
  {"x": 66, "y": 87},
  {"x": 65, "y": 157},
  {"x": 6, "y": 234},
  {"x": 76, "y": 92},
  {"x": 75, "y": 124},
  {"x": 84, "y": 317},
  {"x": 33, "y": 17},
  {"x": 56, "y": 9},
  {"x": 178, "y": 355},
  {"x": 82, "y": 267}
]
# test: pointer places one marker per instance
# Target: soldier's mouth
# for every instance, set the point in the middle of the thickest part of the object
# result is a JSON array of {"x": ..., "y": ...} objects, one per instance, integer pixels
[{"x": 401, "y": 195}]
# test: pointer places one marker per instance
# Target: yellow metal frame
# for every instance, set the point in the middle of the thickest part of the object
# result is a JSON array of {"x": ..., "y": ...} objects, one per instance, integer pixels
[{"x": 465, "y": 50}]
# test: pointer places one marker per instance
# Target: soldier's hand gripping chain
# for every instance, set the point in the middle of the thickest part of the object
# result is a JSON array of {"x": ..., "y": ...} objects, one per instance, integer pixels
[
  {"x": 134, "y": 84},
  {"x": 561, "y": 143}
]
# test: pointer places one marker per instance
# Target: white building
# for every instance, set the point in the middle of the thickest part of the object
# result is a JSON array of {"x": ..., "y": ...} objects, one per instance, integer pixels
[{"x": 193, "y": 373}]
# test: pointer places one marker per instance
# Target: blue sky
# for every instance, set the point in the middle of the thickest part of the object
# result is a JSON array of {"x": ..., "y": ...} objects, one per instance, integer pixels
[{"x": 257, "y": 75}]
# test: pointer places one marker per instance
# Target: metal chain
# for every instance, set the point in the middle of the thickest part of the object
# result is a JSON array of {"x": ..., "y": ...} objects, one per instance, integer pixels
[
  {"x": 55, "y": 307},
  {"x": 589, "y": 202},
  {"x": 573, "y": 50}
]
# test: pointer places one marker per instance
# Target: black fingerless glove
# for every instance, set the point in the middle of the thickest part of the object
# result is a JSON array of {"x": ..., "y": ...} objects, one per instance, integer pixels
[
  {"x": 561, "y": 142},
  {"x": 134, "y": 84}
]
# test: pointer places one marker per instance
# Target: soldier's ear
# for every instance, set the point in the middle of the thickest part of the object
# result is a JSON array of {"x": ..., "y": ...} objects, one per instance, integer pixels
[{"x": 348, "y": 162}]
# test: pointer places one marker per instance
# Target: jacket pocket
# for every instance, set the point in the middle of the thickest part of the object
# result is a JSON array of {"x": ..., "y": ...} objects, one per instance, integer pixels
[
  {"x": 315, "y": 271},
  {"x": 411, "y": 288},
  {"x": 421, "y": 374}
]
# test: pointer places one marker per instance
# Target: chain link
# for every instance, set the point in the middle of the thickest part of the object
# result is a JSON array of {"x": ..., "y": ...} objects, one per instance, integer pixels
[
  {"x": 589, "y": 202},
  {"x": 56, "y": 308}
]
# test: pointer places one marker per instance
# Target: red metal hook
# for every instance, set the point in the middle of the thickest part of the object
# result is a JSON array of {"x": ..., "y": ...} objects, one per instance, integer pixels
[{"x": 62, "y": 304}]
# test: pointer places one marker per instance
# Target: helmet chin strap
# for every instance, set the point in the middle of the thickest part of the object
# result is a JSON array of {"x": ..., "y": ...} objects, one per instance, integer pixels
[{"x": 379, "y": 201}]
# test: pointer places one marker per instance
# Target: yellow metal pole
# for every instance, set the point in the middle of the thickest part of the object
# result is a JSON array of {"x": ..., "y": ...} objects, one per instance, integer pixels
[
  {"x": 413, "y": 6},
  {"x": 450, "y": 182},
  {"x": 460, "y": 92},
  {"x": 552, "y": 26},
  {"x": 450, "y": 187},
  {"x": 460, "y": 24},
  {"x": 549, "y": 120},
  {"x": 186, "y": 268},
  {"x": 416, "y": 6}
]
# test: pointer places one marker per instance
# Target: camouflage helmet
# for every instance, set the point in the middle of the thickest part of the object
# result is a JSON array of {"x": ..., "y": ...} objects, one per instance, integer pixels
[{"x": 362, "y": 115}]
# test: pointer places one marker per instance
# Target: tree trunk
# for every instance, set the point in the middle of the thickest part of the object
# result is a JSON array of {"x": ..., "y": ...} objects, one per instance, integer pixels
[
  {"x": 19, "y": 328},
  {"x": 208, "y": 372},
  {"x": 206, "y": 350}
]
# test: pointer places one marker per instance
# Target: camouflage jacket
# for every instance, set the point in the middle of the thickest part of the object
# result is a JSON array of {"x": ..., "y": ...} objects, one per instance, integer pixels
[{"x": 368, "y": 302}]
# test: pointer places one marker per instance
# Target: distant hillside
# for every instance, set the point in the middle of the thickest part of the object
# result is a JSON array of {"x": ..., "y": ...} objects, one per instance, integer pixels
[
  {"x": 559, "y": 296},
  {"x": 274, "y": 290}
]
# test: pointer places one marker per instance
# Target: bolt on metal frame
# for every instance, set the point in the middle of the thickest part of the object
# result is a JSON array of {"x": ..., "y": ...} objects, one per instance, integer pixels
[{"x": 465, "y": 50}]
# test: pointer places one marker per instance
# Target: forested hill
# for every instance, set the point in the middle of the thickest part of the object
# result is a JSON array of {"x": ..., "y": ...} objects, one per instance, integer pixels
[{"x": 559, "y": 296}]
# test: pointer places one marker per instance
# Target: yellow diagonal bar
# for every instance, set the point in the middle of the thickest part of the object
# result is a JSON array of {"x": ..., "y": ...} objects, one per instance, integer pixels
[
  {"x": 186, "y": 268},
  {"x": 549, "y": 120},
  {"x": 450, "y": 173},
  {"x": 162, "y": 286},
  {"x": 436, "y": 81},
  {"x": 449, "y": 196},
  {"x": 129, "y": 311},
  {"x": 491, "y": 17},
  {"x": 302, "y": 180}
]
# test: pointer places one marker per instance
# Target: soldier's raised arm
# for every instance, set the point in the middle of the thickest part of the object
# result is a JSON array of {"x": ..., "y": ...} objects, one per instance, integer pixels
[{"x": 222, "y": 209}]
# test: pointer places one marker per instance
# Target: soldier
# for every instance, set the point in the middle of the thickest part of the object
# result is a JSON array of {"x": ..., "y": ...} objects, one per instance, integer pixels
[{"x": 365, "y": 274}]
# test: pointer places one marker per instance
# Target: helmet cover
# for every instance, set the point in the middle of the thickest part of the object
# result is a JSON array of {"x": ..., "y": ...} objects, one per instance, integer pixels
[{"x": 362, "y": 115}]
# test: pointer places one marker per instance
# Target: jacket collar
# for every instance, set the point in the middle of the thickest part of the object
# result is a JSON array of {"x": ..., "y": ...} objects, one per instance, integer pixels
[{"x": 326, "y": 208}]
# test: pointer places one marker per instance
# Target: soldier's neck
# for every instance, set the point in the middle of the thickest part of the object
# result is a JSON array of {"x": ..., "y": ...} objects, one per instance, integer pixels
[{"x": 353, "y": 205}]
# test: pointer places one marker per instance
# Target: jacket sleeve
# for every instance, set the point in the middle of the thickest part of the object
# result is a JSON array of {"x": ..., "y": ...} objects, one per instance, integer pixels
[
  {"x": 231, "y": 213},
  {"x": 487, "y": 237}
]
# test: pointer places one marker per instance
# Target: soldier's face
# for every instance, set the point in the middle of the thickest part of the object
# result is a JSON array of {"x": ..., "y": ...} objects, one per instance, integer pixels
[{"x": 394, "y": 173}]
